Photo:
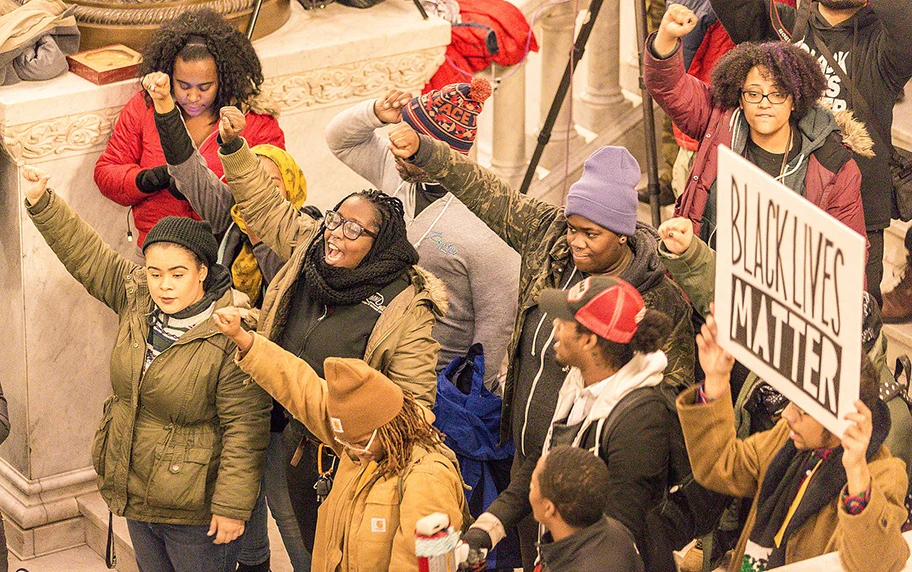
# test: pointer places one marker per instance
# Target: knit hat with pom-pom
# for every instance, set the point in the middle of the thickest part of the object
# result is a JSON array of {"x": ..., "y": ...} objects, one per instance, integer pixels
[{"x": 449, "y": 114}]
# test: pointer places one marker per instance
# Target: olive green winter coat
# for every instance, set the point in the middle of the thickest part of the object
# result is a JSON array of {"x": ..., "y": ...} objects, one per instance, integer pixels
[{"x": 187, "y": 438}]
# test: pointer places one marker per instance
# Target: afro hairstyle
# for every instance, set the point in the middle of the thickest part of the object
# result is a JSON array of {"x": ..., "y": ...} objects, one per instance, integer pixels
[{"x": 791, "y": 68}]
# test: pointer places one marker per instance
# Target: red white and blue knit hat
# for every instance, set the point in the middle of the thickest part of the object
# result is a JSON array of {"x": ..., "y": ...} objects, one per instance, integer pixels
[{"x": 449, "y": 114}]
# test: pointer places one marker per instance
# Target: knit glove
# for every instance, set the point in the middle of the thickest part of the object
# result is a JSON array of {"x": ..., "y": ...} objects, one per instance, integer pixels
[
  {"x": 157, "y": 179},
  {"x": 479, "y": 543}
]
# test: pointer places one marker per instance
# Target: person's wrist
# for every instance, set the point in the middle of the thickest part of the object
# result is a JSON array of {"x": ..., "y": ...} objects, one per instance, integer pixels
[
  {"x": 664, "y": 44},
  {"x": 164, "y": 105},
  {"x": 244, "y": 341},
  {"x": 715, "y": 386},
  {"x": 858, "y": 479}
]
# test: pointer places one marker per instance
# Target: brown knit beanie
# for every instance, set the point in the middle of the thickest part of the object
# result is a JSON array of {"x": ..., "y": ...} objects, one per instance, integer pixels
[{"x": 359, "y": 398}]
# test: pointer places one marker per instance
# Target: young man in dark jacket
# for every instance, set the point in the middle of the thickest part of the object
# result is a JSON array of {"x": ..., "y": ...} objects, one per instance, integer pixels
[
  {"x": 595, "y": 233},
  {"x": 569, "y": 487},
  {"x": 872, "y": 42}
]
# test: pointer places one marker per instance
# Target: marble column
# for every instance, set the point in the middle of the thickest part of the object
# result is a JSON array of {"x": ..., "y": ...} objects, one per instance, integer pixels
[
  {"x": 508, "y": 140},
  {"x": 54, "y": 360},
  {"x": 602, "y": 98},
  {"x": 557, "y": 36}
]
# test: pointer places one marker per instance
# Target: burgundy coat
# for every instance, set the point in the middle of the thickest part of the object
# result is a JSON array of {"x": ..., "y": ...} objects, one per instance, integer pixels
[{"x": 833, "y": 181}]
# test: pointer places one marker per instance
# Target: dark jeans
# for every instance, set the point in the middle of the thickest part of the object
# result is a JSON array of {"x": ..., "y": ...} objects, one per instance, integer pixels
[
  {"x": 301, "y": 479},
  {"x": 180, "y": 548},
  {"x": 874, "y": 270}
]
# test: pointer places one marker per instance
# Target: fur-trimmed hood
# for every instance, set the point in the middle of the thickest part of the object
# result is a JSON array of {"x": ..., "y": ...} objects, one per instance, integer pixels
[
  {"x": 436, "y": 290},
  {"x": 855, "y": 134},
  {"x": 264, "y": 103}
]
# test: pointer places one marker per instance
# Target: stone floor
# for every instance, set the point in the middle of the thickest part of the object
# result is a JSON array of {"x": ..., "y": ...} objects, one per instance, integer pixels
[{"x": 84, "y": 559}]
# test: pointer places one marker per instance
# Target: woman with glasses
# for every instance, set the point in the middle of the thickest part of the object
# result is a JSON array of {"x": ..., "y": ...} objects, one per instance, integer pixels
[
  {"x": 349, "y": 289},
  {"x": 763, "y": 104}
]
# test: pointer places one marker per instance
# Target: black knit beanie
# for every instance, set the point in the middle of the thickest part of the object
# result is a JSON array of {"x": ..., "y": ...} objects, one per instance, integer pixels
[{"x": 194, "y": 235}]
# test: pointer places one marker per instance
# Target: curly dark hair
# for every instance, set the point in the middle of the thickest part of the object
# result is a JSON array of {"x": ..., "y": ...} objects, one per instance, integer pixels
[
  {"x": 199, "y": 34},
  {"x": 399, "y": 437},
  {"x": 793, "y": 69},
  {"x": 650, "y": 336}
]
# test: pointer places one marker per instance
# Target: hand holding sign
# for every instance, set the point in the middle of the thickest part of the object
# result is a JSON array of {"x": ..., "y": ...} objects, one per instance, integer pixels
[{"x": 716, "y": 362}]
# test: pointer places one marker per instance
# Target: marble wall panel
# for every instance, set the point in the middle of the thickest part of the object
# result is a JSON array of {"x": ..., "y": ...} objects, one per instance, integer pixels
[
  {"x": 69, "y": 334},
  {"x": 12, "y": 307}
]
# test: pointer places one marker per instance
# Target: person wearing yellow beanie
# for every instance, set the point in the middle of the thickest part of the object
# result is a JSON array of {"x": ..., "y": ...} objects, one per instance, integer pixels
[{"x": 393, "y": 466}]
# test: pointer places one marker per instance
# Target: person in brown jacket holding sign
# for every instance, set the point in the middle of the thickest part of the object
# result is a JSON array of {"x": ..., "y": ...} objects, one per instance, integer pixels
[{"x": 813, "y": 491}]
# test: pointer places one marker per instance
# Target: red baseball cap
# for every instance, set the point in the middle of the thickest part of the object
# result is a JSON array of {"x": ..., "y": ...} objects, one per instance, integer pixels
[{"x": 609, "y": 307}]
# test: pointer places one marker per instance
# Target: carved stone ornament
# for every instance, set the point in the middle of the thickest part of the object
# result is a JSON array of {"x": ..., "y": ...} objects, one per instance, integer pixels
[
  {"x": 356, "y": 81},
  {"x": 75, "y": 133},
  {"x": 289, "y": 94}
]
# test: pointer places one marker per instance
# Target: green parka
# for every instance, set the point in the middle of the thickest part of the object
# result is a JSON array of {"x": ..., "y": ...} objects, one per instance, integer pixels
[{"x": 187, "y": 438}]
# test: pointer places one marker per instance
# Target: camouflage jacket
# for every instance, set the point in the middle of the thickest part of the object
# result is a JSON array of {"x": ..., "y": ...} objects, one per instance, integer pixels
[{"x": 538, "y": 231}]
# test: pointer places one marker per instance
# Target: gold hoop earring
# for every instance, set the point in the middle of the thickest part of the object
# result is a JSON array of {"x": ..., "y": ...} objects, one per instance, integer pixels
[{"x": 623, "y": 240}]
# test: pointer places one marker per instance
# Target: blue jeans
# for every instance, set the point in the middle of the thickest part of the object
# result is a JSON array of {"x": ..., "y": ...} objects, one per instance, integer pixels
[
  {"x": 180, "y": 548},
  {"x": 274, "y": 493}
]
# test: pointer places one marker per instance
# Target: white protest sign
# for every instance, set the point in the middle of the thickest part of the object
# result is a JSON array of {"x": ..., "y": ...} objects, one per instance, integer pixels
[{"x": 789, "y": 282}]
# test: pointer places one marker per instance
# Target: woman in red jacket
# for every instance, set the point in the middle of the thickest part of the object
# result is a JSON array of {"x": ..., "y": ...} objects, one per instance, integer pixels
[{"x": 212, "y": 65}]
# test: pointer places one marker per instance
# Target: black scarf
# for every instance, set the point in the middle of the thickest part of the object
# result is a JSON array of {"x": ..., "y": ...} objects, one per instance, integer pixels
[
  {"x": 784, "y": 477},
  {"x": 389, "y": 257}
]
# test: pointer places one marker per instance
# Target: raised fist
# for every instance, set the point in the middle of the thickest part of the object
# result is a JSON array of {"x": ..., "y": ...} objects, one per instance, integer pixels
[{"x": 231, "y": 122}]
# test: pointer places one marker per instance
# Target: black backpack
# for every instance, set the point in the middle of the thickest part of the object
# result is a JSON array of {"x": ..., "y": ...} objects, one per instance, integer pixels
[{"x": 688, "y": 510}]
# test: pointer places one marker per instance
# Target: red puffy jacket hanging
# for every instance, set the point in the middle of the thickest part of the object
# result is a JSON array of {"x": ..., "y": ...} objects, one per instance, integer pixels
[{"x": 491, "y": 31}]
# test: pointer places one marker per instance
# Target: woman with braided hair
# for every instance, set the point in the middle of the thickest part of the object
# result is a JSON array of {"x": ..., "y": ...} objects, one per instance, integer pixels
[
  {"x": 349, "y": 289},
  {"x": 210, "y": 64},
  {"x": 394, "y": 468}
]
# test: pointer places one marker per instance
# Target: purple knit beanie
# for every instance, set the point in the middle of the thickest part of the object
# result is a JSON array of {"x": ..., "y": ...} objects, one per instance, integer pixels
[{"x": 606, "y": 193}]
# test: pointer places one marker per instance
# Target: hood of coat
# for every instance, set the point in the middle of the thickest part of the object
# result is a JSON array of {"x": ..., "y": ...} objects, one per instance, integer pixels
[
  {"x": 436, "y": 289},
  {"x": 644, "y": 370},
  {"x": 855, "y": 134},
  {"x": 819, "y": 122},
  {"x": 645, "y": 270}
]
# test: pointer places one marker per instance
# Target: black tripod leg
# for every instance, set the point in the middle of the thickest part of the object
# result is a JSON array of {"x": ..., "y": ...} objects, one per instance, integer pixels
[
  {"x": 652, "y": 161},
  {"x": 579, "y": 46},
  {"x": 253, "y": 18}
]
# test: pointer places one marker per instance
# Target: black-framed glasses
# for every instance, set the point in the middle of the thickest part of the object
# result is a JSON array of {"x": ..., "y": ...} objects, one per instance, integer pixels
[
  {"x": 755, "y": 97},
  {"x": 352, "y": 230}
]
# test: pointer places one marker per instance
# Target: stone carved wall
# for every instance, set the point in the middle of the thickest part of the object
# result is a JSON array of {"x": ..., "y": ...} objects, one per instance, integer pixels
[
  {"x": 145, "y": 12},
  {"x": 355, "y": 81},
  {"x": 75, "y": 133},
  {"x": 292, "y": 94}
]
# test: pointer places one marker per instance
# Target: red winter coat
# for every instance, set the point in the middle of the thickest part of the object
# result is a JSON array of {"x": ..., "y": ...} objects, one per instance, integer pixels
[
  {"x": 468, "y": 53},
  {"x": 832, "y": 182},
  {"x": 135, "y": 146}
]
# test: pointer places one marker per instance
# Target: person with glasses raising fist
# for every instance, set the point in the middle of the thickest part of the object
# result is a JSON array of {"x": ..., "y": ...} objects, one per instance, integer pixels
[
  {"x": 763, "y": 104},
  {"x": 349, "y": 289}
]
